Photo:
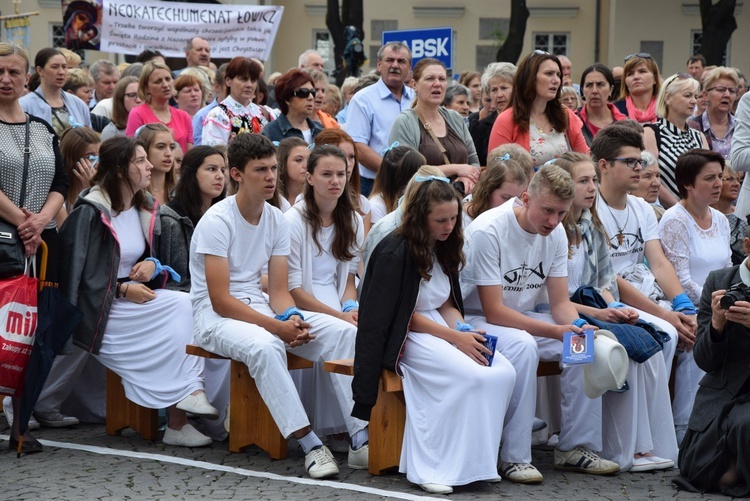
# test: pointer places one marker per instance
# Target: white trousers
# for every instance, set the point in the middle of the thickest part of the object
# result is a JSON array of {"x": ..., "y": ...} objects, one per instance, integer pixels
[
  {"x": 520, "y": 348},
  {"x": 581, "y": 416},
  {"x": 265, "y": 356},
  {"x": 639, "y": 420},
  {"x": 687, "y": 376}
]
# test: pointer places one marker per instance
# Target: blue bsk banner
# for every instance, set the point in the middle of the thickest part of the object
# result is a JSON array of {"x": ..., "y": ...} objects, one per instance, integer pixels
[
  {"x": 428, "y": 42},
  {"x": 130, "y": 26}
]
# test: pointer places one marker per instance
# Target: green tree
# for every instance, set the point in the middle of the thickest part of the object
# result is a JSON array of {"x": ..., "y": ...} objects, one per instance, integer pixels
[{"x": 510, "y": 50}]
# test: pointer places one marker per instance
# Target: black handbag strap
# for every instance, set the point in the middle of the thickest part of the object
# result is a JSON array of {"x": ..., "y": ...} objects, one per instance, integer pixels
[
  {"x": 26, "y": 155},
  {"x": 64, "y": 125}
]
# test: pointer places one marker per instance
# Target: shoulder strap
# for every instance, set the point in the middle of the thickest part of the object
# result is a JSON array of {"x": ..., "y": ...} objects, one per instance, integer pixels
[
  {"x": 429, "y": 130},
  {"x": 65, "y": 125},
  {"x": 657, "y": 134},
  {"x": 26, "y": 155}
]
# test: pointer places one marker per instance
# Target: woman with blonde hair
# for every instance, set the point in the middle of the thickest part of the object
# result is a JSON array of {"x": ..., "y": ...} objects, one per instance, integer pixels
[
  {"x": 156, "y": 88},
  {"x": 670, "y": 136}
]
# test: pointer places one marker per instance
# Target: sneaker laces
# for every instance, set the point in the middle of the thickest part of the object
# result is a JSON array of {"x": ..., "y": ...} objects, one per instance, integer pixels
[
  {"x": 519, "y": 467},
  {"x": 319, "y": 456}
]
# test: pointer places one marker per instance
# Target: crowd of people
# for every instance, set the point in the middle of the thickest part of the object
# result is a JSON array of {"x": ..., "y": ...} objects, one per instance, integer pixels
[{"x": 403, "y": 220}]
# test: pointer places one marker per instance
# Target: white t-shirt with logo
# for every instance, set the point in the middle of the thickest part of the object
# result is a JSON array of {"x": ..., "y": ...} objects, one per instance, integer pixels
[
  {"x": 223, "y": 232},
  {"x": 500, "y": 252},
  {"x": 638, "y": 225}
]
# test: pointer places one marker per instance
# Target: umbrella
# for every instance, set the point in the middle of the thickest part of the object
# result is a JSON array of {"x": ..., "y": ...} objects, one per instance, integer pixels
[{"x": 57, "y": 319}]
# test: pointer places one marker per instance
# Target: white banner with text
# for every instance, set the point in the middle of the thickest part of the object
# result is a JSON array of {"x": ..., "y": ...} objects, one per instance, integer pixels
[{"x": 130, "y": 26}]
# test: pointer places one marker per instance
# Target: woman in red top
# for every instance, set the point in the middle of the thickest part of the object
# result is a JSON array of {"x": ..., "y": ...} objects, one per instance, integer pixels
[
  {"x": 535, "y": 119},
  {"x": 597, "y": 83}
]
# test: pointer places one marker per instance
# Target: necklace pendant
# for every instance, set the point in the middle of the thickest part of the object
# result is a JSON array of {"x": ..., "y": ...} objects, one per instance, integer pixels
[{"x": 620, "y": 238}]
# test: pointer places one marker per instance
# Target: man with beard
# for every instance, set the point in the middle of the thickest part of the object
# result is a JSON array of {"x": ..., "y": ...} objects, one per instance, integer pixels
[{"x": 373, "y": 109}]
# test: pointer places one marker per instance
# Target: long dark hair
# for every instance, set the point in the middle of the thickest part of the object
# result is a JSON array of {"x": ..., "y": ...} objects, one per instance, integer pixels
[
  {"x": 336, "y": 137},
  {"x": 524, "y": 93},
  {"x": 284, "y": 151},
  {"x": 343, "y": 214},
  {"x": 115, "y": 155},
  {"x": 73, "y": 144},
  {"x": 413, "y": 227},
  {"x": 399, "y": 165},
  {"x": 188, "y": 192}
]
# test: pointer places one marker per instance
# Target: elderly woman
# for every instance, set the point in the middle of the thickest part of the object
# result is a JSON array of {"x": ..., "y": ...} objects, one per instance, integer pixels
[
  {"x": 695, "y": 239},
  {"x": 648, "y": 187},
  {"x": 535, "y": 119},
  {"x": 156, "y": 88},
  {"x": 295, "y": 95},
  {"x": 320, "y": 82},
  {"x": 347, "y": 93},
  {"x": 714, "y": 453},
  {"x": 730, "y": 190},
  {"x": 61, "y": 110},
  {"x": 570, "y": 98},
  {"x": 670, "y": 136},
  {"x": 237, "y": 114},
  {"x": 597, "y": 83},
  {"x": 189, "y": 94},
  {"x": 497, "y": 82},
  {"x": 642, "y": 84},
  {"x": 717, "y": 122},
  {"x": 457, "y": 98},
  {"x": 437, "y": 133},
  {"x": 32, "y": 212}
]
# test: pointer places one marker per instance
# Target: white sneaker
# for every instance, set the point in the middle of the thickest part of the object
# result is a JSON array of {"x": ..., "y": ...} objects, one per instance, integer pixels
[
  {"x": 198, "y": 405},
  {"x": 642, "y": 464},
  {"x": 8, "y": 411},
  {"x": 661, "y": 463},
  {"x": 188, "y": 436},
  {"x": 583, "y": 460},
  {"x": 359, "y": 459},
  {"x": 437, "y": 488},
  {"x": 55, "y": 419},
  {"x": 521, "y": 473},
  {"x": 319, "y": 463}
]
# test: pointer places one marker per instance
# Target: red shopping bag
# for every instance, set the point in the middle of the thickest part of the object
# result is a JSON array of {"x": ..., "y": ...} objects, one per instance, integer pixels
[{"x": 18, "y": 318}]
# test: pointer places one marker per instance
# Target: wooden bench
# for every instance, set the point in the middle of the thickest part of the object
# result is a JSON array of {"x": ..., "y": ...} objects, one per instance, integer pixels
[
  {"x": 250, "y": 421},
  {"x": 122, "y": 413},
  {"x": 388, "y": 417}
]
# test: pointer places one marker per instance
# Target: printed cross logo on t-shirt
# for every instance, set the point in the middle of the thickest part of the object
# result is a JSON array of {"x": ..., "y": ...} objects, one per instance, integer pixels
[
  {"x": 626, "y": 240},
  {"x": 518, "y": 276}
]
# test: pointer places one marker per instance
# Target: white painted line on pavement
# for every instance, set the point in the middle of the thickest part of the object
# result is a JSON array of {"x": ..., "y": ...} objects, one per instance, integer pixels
[{"x": 229, "y": 469}]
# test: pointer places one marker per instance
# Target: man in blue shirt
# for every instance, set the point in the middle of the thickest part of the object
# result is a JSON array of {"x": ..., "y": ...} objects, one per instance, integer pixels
[
  {"x": 373, "y": 109},
  {"x": 220, "y": 91}
]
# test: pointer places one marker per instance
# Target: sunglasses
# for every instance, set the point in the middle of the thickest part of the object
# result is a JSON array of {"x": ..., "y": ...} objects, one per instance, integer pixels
[
  {"x": 642, "y": 55},
  {"x": 538, "y": 52},
  {"x": 677, "y": 76},
  {"x": 304, "y": 93}
]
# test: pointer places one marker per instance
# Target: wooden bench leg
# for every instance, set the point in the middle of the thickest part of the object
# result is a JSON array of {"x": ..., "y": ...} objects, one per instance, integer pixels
[
  {"x": 250, "y": 420},
  {"x": 387, "y": 422},
  {"x": 122, "y": 413}
]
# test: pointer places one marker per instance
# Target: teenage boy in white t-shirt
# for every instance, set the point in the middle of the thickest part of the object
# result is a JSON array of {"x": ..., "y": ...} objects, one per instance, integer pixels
[
  {"x": 232, "y": 243},
  {"x": 633, "y": 235},
  {"x": 515, "y": 287}
]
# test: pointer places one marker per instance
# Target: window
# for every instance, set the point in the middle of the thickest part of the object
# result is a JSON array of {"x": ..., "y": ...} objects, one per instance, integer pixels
[
  {"x": 696, "y": 40},
  {"x": 378, "y": 26},
  {"x": 554, "y": 43},
  {"x": 324, "y": 45},
  {"x": 57, "y": 35},
  {"x": 494, "y": 28}
]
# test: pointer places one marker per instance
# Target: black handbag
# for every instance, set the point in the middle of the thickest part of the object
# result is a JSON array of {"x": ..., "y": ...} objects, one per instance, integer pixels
[{"x": 12, "y": 250}]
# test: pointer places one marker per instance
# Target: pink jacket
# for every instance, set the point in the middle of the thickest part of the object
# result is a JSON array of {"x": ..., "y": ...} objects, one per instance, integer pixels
[{"x": 506, "y": 131}]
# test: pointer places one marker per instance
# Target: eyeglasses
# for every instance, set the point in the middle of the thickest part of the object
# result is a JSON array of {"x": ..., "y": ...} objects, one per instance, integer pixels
[
  {"x": 722, "y": 90},
  {"x": 631, "y": 163},
  {"x": 642, "y": 55},
  {"x": 304, "y": 93},
  {"x": 131, "y": 95}
]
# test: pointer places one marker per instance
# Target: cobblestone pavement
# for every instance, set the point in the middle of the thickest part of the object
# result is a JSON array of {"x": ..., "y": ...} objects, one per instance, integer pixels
[{"x": 128, "y": 467}]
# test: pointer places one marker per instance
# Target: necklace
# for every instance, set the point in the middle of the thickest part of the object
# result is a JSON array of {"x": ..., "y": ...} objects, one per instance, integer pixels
[
  {"x": 620, "y": 229},
  {"x": 156, "y": 113}
]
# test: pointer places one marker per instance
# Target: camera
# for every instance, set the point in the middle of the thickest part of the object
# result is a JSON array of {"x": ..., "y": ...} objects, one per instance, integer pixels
[{"x": 737, "y": 292}]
